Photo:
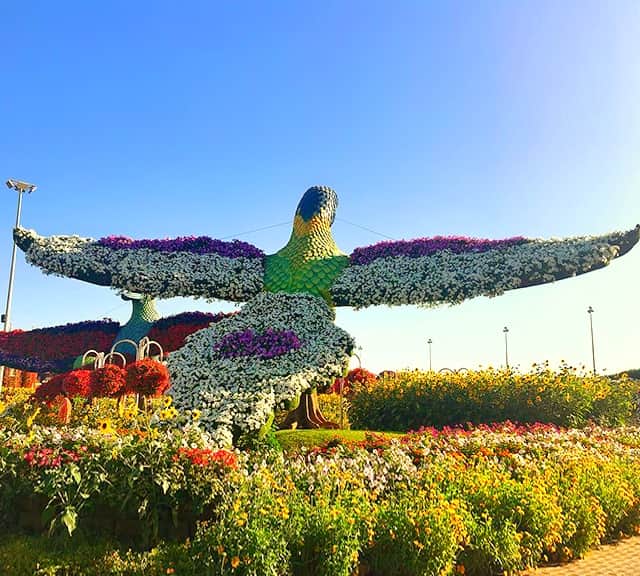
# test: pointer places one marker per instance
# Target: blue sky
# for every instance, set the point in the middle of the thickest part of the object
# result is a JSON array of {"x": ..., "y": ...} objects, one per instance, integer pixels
[{"x": 488, "y": 119}]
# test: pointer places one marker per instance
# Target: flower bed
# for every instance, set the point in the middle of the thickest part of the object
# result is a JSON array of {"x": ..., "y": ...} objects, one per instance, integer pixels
[
  {"x": 410, "y": 400},
  {"x": 475, "y": 502}
]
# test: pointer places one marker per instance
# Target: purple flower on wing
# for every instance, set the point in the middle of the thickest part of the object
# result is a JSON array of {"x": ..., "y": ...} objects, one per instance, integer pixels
[
  {"x": 428, "y": 246},
  {"x": 194, "y": 244},
  {"x": 268, "y": 344}
]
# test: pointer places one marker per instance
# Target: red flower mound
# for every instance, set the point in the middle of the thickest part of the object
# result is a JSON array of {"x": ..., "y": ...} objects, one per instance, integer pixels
[
  {"x": 358, "y": 377},
  {"x": 76, "y": 383},
  {"x": 108, "y": 381},
  {"x": 147, "y": 377},
  {"x": 47, "y": 391}
]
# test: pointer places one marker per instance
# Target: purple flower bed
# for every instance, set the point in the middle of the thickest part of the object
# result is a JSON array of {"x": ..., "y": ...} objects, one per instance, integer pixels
[
  {"x": 428, "y": 246},
  {"x": 195, "y": 244},
  {"x": 269, "y": 344}
]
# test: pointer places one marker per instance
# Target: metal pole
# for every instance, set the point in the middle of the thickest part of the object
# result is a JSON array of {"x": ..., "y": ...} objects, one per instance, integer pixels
[
  {"x": 21, "y": 188},
  {"x": 12, "y": 269},
  {"x": 593, "y": 348},
  {"x": 429, "y": 342},
  {"x": 506, "y": 347}
]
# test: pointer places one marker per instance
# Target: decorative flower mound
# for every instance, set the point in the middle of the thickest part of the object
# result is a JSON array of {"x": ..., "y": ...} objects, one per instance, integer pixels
[
  {"x": 147, "y": 377},
  {"x": 108, "y": 381},
  {"x": 270, "y": 344},
  {"x": 54, "y": 349},
  {"x": 423, "y": 276},
  {"x": 170, "y": 332},
  {"x": 241, "y": 393},
  {"x": 428, "y": 246},
  {"x": 195, "y": 244},
  {"x": 162, "y": 274},
  {"x": 358, "y": 377},
  {"x": 77, "y": 383}
]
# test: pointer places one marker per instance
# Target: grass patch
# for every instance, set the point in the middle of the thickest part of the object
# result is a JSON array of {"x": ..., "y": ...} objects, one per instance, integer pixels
[{"x": 294, "y": 440}]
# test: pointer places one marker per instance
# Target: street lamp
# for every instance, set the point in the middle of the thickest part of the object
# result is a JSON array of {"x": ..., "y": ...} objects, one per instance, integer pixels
[
  {"x": 20, "y": 187},
  {"x": 429, "y": 342},
  {"x": 593, "y": 348},
  {"x": 506, "y": 347}
]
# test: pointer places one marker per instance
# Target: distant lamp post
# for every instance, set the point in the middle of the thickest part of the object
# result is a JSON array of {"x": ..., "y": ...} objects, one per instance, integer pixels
[
  {"x": 506, "y": 346},
  {"x": 430, "y": 342},
  {"x": 593, "y": 348},
  {"x": 20, "y": 187}
]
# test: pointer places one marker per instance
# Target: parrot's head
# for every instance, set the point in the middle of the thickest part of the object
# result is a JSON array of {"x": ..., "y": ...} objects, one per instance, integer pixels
[{"x": 316, "y": 210}]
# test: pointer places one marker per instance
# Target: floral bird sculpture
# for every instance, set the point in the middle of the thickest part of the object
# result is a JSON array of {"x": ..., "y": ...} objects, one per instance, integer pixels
[{"x": 239, "y": 369}]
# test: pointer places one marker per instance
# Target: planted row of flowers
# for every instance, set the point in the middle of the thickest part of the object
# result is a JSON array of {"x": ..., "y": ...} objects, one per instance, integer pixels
[
  {"x": 409, "y": 400},
  {"x": 473, "y": 501}
]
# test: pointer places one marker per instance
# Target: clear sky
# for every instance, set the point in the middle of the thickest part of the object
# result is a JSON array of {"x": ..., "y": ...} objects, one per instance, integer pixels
[{"x": 487, "y": 119}]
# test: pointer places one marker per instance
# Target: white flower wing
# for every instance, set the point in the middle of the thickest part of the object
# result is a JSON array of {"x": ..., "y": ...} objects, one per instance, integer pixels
[
  {"x": 448, "y": 277},
  {"x": 159, "y": 274}
]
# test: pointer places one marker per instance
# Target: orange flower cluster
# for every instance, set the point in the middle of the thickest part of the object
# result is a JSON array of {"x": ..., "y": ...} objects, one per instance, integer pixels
[{"x": 206, "y": 457}]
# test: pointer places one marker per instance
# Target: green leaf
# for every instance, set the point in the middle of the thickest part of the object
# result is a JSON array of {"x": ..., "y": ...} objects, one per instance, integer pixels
[
  {"x": 69, "y": 519},
  {"x": 75, "y": 473}
]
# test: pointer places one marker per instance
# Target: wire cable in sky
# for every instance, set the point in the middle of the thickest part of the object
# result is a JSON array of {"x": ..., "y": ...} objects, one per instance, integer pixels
[
  {"x": 255, "y": 230},
  {"x": 365, "y": 228}
]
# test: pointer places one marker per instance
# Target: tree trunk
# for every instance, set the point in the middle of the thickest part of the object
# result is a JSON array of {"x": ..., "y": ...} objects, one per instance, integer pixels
[{"x": 307, "y": 415}]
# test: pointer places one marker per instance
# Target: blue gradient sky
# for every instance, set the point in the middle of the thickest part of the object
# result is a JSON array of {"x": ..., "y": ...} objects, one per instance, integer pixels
[{"x": 489, "y": 119}]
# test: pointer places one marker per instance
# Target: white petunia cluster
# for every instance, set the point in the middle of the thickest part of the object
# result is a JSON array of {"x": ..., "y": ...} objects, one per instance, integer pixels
[
  {"x": 451, "y": 278},
  {"x": 158, "y": 274},
  {"x": 240, "y": 394}
]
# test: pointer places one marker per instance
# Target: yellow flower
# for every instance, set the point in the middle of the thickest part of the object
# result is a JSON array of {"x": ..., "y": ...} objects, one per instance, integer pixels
[
  {"x": 167, "y": 401},
  {"x": 104, "y": 426},
  {"x": 32, "y": 417},
  {"x": 130, "y": 413},
  {"x": 195, "y": 414},
  {"x": 235, "y": 562}
]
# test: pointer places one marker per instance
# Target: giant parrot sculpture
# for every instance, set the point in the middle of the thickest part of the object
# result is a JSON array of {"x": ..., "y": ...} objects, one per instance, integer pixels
[{"x": 283, "y": 341}]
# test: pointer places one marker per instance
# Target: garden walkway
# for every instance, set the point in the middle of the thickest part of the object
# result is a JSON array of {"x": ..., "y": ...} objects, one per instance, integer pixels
[{"x": 619, "y": 559}]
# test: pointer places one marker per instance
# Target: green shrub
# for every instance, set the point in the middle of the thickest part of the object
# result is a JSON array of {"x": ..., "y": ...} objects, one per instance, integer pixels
[{"x": 412, "y": 400}]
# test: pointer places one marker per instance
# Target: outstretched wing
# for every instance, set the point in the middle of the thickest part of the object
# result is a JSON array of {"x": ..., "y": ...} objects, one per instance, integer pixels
[
  {"x": 236, "y": 372},
  {"x": 433, "y": 271},
  {"x": 192, "y": 266},
  {"x": 54, "y": 349}
]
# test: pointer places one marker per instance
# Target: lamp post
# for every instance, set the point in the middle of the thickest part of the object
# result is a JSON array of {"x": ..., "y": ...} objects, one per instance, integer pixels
[
  {"x": 430, "y": 342},
  {"x": 593, "y": 348},
  {"x": 506, "y": 346},
  {"x": 20, "y": 187}
]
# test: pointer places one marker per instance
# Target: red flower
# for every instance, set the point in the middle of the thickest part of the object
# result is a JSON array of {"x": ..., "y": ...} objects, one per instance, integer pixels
[
  {"x": 76, "y": 383},
  {"x": 147, "y": 377},
  {"x": 108, "y": 381}
]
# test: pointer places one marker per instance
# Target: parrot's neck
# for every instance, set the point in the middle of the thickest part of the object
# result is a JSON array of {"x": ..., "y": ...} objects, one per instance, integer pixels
[
  {"x": 310, "y": 241},
  {"x": 310, "y": 262}
]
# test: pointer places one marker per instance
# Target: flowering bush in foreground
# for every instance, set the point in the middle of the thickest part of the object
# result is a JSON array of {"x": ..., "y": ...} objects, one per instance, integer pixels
[
  {"x": 414, "y": 399},
  {"x": 473, "y": 501}
]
